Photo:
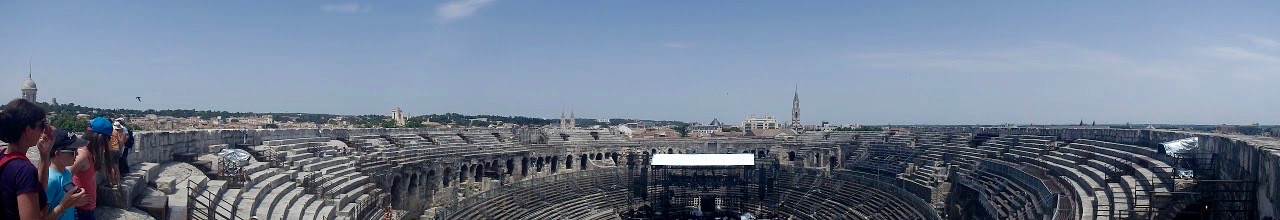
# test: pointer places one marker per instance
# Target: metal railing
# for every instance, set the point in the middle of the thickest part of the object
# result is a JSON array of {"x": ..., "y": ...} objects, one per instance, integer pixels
[{"x": 206, "y": 210}]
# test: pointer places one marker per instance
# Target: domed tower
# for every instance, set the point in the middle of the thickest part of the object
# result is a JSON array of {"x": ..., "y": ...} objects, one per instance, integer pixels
[{"x": 29, "y": 87}]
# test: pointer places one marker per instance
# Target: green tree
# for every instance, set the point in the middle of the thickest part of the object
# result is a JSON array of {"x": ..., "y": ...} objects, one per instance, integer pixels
[
  {"x": 683, "y": 129},
  {"x": 69, "y": 122},
  {"x": 731, "y": 129}
]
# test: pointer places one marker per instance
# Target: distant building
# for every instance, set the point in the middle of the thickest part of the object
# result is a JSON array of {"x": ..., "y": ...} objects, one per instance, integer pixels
[
  {"x": 399, "y": 117},
  {"x": 752, "y": 123},
  {"x": 29, "y": 87},
  {"x": 776, "y": 133},
  {"x": 795, "y": 111},
  {"x": 704, "y": 129}
]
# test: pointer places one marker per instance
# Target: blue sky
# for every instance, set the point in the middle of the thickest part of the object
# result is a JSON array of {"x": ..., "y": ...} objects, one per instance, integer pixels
[{"x": 855, "y": 62}]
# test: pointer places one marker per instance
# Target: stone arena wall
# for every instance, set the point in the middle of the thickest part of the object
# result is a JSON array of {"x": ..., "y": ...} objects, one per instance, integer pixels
[{"x": 1254, "y": 156}]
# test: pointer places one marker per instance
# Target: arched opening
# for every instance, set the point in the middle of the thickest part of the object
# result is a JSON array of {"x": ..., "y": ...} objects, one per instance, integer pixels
[
  {"x": 568, "y": 162},
  {"x": 599, "y": 156},
  {"x": 414, "y": 190},
  {"x": 555, "y": 164},
  {"x": 583, "y": 162},
  {"x": 654, "y": 151},
  {"x": 615, "y": 157},
  {"x": 791, "y": 156},
  {"x": 397, "y": 188},
  {"x": 817, "y": 159},
  {"x": 833, "y": 162},
  {"x": 524, "y": 166},
  {"x": 479, "y": 169},
  {"x": 462, "y": 174},
  {"x": 539, "y": 164},
  {"x": 445, "y": 176},
  {"x": 511, "y": 166},
  {"x": 431, "y": 176},
  {"x": 430, "y": 187},
  {"x": 669, "y": 151}
]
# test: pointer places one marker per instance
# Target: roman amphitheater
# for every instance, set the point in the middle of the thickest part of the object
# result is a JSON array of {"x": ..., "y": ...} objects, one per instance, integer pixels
[{"x": 938, "y": 173}]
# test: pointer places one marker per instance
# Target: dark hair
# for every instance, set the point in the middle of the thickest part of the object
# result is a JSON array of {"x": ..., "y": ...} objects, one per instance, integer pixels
[
  {"x": 18, "y": 115},
  {"x": 97, "y": 148}
]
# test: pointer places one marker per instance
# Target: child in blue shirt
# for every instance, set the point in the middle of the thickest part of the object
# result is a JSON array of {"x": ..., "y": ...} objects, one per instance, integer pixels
[{"x": 63, "y": 154}]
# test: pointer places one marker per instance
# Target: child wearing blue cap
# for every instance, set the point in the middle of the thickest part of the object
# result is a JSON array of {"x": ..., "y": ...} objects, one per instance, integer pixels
[{"x": 89, "y": 159}]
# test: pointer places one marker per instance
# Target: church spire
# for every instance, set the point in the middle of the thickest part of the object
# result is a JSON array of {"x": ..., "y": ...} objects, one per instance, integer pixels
[{"x": 795, "y": 110}]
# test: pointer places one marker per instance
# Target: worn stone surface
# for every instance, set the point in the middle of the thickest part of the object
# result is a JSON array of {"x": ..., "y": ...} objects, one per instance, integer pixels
[{"x": 117, "y": 213}]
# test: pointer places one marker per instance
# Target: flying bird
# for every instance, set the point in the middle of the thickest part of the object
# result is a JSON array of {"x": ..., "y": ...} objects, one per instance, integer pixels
[{"x": 139, "y": 98}]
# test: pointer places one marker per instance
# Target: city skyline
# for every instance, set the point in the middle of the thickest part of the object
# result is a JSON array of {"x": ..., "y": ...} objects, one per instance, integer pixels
[{"x": 867, "y": 63}]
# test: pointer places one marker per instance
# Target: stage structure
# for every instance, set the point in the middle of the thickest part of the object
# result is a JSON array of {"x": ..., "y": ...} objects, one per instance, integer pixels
[{"x": 706, "y": 185}]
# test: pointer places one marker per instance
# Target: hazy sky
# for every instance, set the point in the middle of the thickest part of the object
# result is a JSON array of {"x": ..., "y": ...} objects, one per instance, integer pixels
[{"x": 855, "y": 62}]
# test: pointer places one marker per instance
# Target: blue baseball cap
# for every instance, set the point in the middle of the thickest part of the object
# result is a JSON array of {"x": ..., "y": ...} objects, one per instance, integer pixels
[{"x": 100, "y": 125}]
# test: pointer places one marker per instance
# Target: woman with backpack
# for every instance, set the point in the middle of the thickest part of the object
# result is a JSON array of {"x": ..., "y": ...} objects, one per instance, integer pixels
[{"x": 23, "y": 124}]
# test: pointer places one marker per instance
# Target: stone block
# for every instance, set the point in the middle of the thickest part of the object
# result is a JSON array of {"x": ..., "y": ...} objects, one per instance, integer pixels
[
  {"x": 155, "y": 206},
  {"x": 167, "y": 184}
]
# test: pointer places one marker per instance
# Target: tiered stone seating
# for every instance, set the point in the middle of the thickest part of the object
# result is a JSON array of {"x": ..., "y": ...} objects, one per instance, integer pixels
[
  {"x": 1017, "y": 194},
  {"x": 576, "y": 195},
  {"x": 278, "y": 192},
  {"x": 883, "y": 157},
  {"x": 844, "y": 195}
]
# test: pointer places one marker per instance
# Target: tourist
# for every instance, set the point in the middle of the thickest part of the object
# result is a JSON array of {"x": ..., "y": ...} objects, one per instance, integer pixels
[
  {"x": 128, "y": 145},
  {"x": 115, "y": 148},
  {"x": 23, "y": 124},
  {"x": 88, "y": 159},
  {"x": 65, "y": 144}
]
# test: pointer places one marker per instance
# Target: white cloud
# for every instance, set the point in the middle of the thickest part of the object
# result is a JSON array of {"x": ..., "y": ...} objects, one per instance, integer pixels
[
  {"x": 346, "y": 8},
  {"x": 1261, "y": 41},
  {"x": 1238, "y": 55},
  {"x": 1184, "y": 66},
  {"x": 459, "y": 9},
  {"x": 675, "y": 45}
]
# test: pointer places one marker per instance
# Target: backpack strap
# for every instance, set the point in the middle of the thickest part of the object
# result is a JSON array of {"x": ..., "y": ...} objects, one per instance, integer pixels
[{"x": 11, "y": 157}]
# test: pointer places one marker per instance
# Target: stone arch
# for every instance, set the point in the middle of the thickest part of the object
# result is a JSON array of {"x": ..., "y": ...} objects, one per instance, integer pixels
[
  {"x": 397, "y": 189},
  {"x": 445, "y": 176},
  {"x": 791, "y": 156},
  {"x": 583, "y": 161},
  {"x": 479, "y": 169},
  {"x": 568, "y": 161},
  {"x": 431, "y": 176},
  {"x": 462, "y": 174},
  {"x": 524, "y": 166},
  {"x": 669, "y": 151},
  {"x": 555, "y": 164},
  {"x": 833, "y": 161},
  {"x": 654, "y": 151},
  {"x": 599, "y": 156},
  {"x": 414, "y": 190},
  {"x": 540, "y": 164},
  {"x": 511, "y": 166}
]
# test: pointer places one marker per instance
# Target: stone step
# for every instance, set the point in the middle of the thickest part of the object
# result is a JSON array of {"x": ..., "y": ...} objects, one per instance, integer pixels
[
  {"x": 325, "y": 163},
  {"x": 348, "y": 185},
  {"x": 231, "y": 197},
  {"x": 298, "y": 208},
  {"x": 276, "y": 196},
  {"x": 326, "y": 212},
  {"x": 313, "y": 208}
]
